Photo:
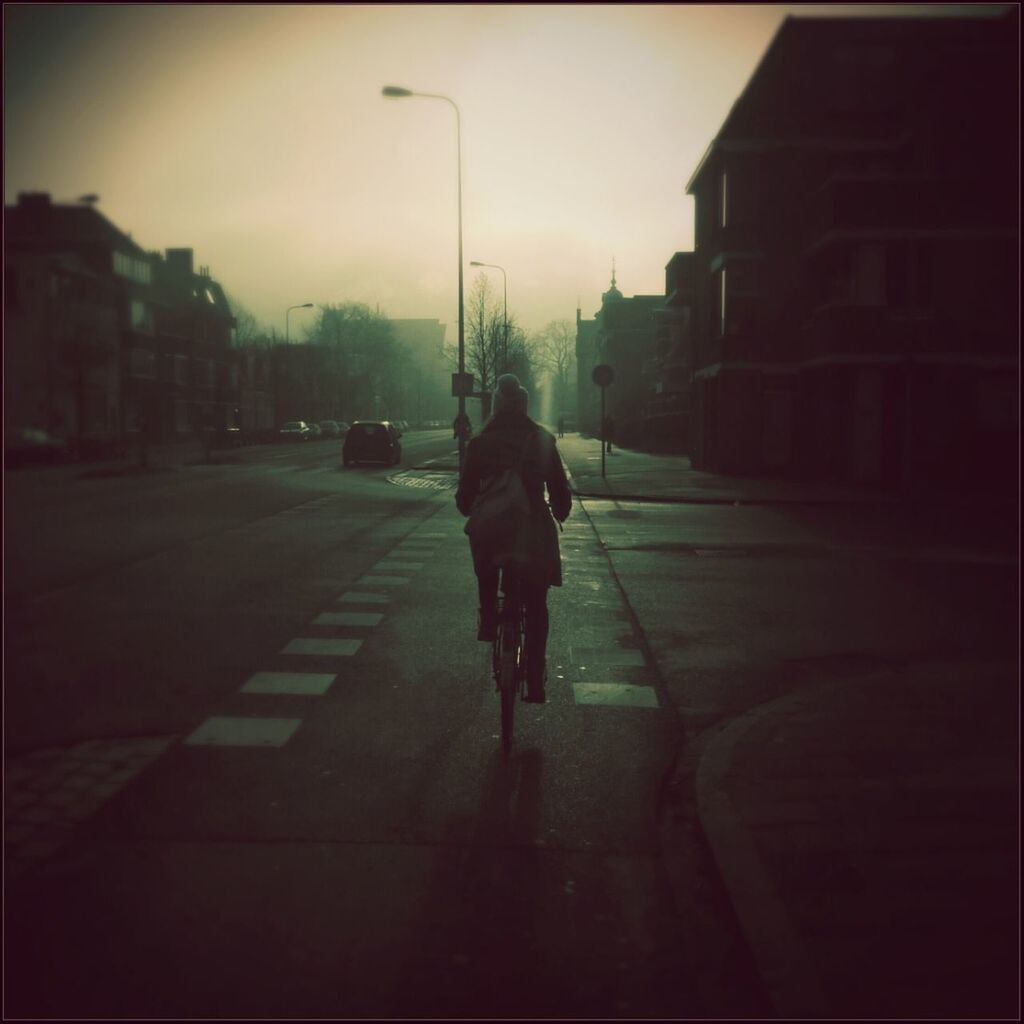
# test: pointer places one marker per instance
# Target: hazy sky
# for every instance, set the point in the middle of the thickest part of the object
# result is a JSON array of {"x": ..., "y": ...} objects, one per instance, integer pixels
[{"x": 258, "y": 136}]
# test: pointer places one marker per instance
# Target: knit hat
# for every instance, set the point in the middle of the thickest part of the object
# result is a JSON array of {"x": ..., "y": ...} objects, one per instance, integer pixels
[{"x": 509, "y": 395}]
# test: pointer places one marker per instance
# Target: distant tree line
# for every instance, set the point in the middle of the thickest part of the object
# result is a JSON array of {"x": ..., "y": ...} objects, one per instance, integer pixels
[{"x": 349, "y": 365}]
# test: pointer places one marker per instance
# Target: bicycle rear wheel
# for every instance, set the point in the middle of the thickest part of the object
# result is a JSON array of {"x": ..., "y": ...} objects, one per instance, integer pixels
[{"x": 507, "y": 685}]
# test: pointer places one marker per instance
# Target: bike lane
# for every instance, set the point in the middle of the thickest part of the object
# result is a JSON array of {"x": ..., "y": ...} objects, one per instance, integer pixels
[{"x": 343, "y": 837}]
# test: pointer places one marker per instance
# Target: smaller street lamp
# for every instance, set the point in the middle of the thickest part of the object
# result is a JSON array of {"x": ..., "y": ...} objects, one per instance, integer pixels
[{"x": 304, "y": 305}]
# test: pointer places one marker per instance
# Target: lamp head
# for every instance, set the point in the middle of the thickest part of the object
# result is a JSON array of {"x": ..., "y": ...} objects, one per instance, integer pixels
[
  {"x": 395, "y": 91},
  {"x": 473, "y": 263}
]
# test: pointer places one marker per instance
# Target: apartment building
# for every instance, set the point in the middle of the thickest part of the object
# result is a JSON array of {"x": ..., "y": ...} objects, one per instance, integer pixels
[
  {"x": 856, "y": 275},
  {"x": 106, "y": 343}
]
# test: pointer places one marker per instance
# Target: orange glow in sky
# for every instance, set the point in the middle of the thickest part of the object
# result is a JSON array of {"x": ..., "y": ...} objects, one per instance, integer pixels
[{"x": 258, "y": 136}]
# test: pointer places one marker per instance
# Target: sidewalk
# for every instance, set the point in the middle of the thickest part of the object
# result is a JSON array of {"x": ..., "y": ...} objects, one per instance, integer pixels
[
  {"x": 866, "y": 829},
  {"x": 867, "y": 833},
  {"x": 632, "y": 475},
  {"x": 640, "y": 476}
]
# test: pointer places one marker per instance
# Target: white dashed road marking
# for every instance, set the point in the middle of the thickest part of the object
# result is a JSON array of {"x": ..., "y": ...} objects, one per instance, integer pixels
[
  {"x": 244, "y": 732},
  {"x": 361, "y": 597},
  {"x": 348, "y": 619},
  {"x": 615, "y": 695},
  {"x": 319, "y": 646},
  {"x": 298, "y": 683},
  {"x": 383, "y": 581},
  {"x": 387, "y": 566},
  {"x": 599, "y": 658}
]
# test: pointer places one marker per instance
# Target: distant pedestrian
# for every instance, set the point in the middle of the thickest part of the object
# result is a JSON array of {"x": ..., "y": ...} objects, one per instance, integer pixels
[
  {"x": 608, "y": 428},
  {"x": 561, "y": 426}
]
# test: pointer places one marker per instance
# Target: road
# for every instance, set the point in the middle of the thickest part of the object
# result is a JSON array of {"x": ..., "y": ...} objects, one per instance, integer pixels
[{"x": 252, "y": 753}]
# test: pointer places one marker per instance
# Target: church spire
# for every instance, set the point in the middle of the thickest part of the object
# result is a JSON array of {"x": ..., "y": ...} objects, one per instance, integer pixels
[{"x": 613, "y": 293}]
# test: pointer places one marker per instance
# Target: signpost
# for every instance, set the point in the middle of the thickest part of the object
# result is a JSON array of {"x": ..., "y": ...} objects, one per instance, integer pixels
[{"x": 602, "y": 376}]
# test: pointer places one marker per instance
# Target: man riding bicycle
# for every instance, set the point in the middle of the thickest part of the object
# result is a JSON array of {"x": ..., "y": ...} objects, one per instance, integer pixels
[{"x": 512, "y": 441}]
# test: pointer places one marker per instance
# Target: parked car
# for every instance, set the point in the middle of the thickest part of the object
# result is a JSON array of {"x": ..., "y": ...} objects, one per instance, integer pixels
[
  {"x": 315, "y": 432},
  {"x": 342, "y": 427},
  {"x": 296, "y": 430},
  {"x": 329, "y": 428},
  {"x": 372, "y": 441},
  {"x": 29, "y": 445}
]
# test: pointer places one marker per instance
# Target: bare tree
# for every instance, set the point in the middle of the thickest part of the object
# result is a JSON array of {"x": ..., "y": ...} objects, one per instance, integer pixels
[
  {"x": 484, "y": 338},
  {"x": 556, "y": 353},
  {"x": 249, "y": 332}
]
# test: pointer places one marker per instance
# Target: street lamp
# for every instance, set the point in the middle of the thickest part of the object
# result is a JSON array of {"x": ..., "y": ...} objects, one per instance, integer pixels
[
  {"x": 504, "y": 276},
  {"x": 304, "y": 305},
  {"x": 397, "y": 92}
]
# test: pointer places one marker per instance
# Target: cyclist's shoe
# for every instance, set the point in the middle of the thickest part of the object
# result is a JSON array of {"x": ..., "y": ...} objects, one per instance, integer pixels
[{"x": 487, "y": 626}]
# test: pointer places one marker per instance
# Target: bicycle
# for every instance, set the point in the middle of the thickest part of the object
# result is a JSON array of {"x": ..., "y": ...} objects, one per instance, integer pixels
[{"x": 509, "y": 650}]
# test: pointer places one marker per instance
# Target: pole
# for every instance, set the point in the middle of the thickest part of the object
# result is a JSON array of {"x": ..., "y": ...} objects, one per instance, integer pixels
[
  {"x": 602, "y": 433},
  {"x": 462, "y": 323},
  {"x": 504, "y": 278},
  {"x": 396, "y": 91}
]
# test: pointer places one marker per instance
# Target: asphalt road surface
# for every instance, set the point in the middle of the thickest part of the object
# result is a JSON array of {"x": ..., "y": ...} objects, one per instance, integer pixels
[{"x": 252, "y": 743}]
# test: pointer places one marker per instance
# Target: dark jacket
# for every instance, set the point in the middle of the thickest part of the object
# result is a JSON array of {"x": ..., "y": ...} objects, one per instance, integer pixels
[{"x": 510, "y": 440}]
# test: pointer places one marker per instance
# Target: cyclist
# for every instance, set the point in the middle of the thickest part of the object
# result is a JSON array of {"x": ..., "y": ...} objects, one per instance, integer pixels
[{"x": 511, "y": 440}]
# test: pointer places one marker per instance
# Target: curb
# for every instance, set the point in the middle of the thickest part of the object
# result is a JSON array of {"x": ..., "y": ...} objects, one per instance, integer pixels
[{"x": 793, "y": 985}]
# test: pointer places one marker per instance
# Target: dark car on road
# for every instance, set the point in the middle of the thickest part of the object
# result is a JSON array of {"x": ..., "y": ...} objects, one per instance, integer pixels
[
  {"x": 329, "y": 428},
  {"x": 372, "y": 441},
  {"x": 296, "y": 430}
]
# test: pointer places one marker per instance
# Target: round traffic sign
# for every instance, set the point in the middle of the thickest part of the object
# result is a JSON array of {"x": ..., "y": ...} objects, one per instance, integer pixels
[{"x": 602, "y": 375}]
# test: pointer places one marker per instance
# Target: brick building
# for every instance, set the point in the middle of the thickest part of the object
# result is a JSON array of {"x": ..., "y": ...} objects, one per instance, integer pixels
[
  {"x": 856, "y": 276},
  {"x": 104, "y": 342},
  {"x": 622, "y": 336}
]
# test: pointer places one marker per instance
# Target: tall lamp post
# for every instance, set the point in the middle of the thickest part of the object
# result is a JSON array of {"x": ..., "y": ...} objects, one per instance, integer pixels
[
  {"x": 397, "y": 92},
  {"x": 504, "y": 278},
  {"x": 304, "y": 305}
]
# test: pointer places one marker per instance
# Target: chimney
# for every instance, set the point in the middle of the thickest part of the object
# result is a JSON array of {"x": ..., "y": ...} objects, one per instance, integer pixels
[
  {"x": 34, "y": 200},
  {"x": 180, "y": 262}
]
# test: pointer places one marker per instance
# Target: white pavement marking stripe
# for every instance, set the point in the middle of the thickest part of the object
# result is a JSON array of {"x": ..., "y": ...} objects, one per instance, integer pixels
[
  {"x": 615, "y": 694},
  {"x": 315, "y": 646},
  {"x": 299, "y": 683},
  {"x": 383, "y": 581},
  {"x": 601, "y": 659},
  {"x": 244, "y": 732},
  {"x": 385, "y": 565},
  {"x": 348, "y": 619},
  {"x": 362, "y": 597}
]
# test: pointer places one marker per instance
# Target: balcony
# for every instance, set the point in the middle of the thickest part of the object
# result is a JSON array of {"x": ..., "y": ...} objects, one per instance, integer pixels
[{"x": 848, "y": 330}]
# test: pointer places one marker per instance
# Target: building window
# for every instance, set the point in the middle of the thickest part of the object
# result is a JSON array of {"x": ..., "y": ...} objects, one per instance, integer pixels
[
  {"x": 180, "y": 370},
  {"x": 722, "y": 306},
  {"x": 142, "y": 317},
  {"x": 142, "y": 363},
  {"x": 132, "y": 268},
  {"x": 11, "y": 295},
  {"x": 870, "y": 274},
  {"x": 181, "y": 416},
  {"x": 738, "y": 298}
]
